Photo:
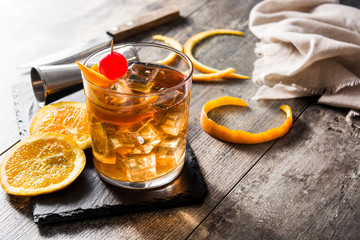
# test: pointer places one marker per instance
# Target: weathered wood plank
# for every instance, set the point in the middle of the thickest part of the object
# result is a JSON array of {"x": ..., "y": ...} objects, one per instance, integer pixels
[
  {"x": 8, "y": 128},
  {"x": 305, "y": 187}
]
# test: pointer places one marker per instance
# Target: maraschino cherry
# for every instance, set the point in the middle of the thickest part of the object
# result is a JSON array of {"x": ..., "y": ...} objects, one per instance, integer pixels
[{"x": 114, "y": 65}]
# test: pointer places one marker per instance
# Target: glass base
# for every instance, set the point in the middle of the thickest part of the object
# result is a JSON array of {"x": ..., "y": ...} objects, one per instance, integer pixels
[{"x": 154, "y": 183}]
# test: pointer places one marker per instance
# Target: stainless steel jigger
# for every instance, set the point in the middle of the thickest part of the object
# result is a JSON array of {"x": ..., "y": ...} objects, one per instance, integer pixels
[{"x": 49, "y": 80}]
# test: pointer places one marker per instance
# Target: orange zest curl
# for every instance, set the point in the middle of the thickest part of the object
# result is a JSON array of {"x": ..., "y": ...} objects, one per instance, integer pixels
[
  {"x": 191, "y": 42},
  {"x": 239, "y": 136},
  {"x": 94, "y": 76},
  {"x": 213, "y": 76},
  {"x": 172, "y": 43}
]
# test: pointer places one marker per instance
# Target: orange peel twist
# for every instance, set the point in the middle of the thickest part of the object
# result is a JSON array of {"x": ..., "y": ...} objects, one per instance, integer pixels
[
  {"x": 191, "y": 42},
  {"x": 239, "y": 136},
  {"x": 172, "y": 43}
]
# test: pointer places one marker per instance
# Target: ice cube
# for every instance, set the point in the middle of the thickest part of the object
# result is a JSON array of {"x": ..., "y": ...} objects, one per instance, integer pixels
[
  {"x": 140, "y": 77},
  {"x": 174, "y": 124},
  {"x": 140, "y": 142},
  {"x": 121, "y": 87},
  {"x": 100, "y": 141},
  {"x": 170, "y": 148},
  {"x": 127, "y": 143},
  {"x": 137, "y": 167},
  {"x": 175, "y": 120},
  {"x": 169, "y": 153},
  {"x": 113, "y": 100},
  {"x": 149, "y": 137},
  {"x": 168, "y": 99}
]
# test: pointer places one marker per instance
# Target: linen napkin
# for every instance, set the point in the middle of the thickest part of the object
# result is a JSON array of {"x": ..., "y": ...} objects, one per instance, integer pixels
[{"x": 307, "y": 47}]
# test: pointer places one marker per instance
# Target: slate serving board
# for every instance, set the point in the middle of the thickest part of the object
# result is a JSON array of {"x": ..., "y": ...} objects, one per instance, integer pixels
[{"x": 90, "y": 197}]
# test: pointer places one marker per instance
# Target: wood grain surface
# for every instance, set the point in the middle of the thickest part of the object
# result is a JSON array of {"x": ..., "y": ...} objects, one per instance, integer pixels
[
  {"x": 305, "y": 187},
  {"x": 302, "y": 186}
]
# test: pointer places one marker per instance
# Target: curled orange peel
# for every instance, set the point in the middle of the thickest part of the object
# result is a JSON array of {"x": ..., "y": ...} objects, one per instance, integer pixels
[
  {"x": 191, "y": 42},
  {"x": 213, "y": 76},
  {"x": 95, "y": 67},
  {"x": 95, "y": 77},
  {"x": 239, "y": 136},
  {"x": 172, "y": 43},
  {"x": 196, "y": 77}
]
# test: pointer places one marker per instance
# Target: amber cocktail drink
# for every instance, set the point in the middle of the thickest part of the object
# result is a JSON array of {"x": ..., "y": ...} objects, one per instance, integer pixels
[{"x": 139, "y": 123}]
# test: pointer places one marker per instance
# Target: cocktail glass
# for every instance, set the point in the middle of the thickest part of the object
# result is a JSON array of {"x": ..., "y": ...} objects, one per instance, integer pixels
[{"x": 139, "y": 124}]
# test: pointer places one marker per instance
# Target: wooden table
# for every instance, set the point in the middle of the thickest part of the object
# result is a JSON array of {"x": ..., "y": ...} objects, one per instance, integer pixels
[{"x": 302, "y": 186}]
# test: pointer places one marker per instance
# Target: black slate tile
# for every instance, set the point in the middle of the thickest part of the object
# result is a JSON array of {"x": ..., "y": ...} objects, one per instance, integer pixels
[{"x": 89, "y": 196}]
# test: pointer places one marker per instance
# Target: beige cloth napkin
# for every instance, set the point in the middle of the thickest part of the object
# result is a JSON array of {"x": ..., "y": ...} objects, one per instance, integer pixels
[{"x": 307, "y": 47}]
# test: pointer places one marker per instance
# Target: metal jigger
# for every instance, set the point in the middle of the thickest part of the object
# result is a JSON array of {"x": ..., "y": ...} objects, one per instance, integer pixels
[{"x": 53, "y": 82}]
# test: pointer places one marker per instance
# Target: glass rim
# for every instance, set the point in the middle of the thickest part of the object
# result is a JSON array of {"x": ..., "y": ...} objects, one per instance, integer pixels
[{"x": 146, "y": 44}]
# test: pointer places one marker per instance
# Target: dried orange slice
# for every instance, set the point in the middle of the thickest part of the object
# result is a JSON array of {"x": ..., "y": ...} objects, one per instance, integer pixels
[
  {"x": 239, "y": 136},
  {"x": 94, "y": 76},
  {"x": 41, "y": 164},
  {"x": 172, "y": 43},
  {"x": 191, "y": 42},
  {"x": 69, "y": 118}
]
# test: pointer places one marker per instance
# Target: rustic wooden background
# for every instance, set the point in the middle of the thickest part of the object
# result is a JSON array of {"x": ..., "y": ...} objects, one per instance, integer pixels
[{"x": 302, "y": 186}]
